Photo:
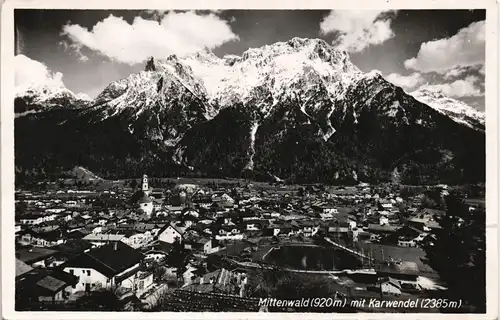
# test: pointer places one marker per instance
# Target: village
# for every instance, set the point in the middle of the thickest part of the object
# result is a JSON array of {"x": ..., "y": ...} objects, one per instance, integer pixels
[{"x": 202, "y": 247}]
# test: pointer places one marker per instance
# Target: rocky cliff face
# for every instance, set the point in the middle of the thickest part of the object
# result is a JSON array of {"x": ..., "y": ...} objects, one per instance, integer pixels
[{"x": 298, "y": 109}]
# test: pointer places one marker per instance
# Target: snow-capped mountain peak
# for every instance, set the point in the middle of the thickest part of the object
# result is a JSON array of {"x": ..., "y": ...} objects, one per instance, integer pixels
[
  {"x": 457, "y": 110},
  {"x": 42, "y": 93},
  {"x": 283, "y": 69},
  {"x": 32, "y": 98}
]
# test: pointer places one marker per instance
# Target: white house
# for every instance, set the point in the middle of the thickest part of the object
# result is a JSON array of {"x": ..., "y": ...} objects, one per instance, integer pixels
[
  {"x": 329, "y": 209},
  {"x": 223, "y": 235},
  {"x": 390, "y": 286},
  {"x": 109, "y": 266},
  {"x": 31, "y": 220},
  {"x": 210, "y": 246},
  {"x": 407, "y": 243},
  {"x": 383, "y": 221},
  {"x": 326, "y": 216},
  {"x": 170, "y": 233}
]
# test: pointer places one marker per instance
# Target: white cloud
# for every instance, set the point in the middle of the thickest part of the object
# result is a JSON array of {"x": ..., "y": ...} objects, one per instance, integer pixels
[
  {"x": 29, "y": 71},
  {"x": 466, "y": 48},
  {"x": 481, "y": 71},
  {"x": 357, "y": 29},
  {"x": 459, "y": 88},
  {"x": 407, "y": 82},
  {"x": 176, "y": 33},
  {"x": 455, "y": 73}
]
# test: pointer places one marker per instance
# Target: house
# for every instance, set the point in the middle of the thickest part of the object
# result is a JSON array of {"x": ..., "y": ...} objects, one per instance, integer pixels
[
  {"x": 144, "y": 281},
  {"x": 407, "y": 242},
  {"x": 309, "y": 228},
  {"x": 384, "y": 229},
  {"x": 425, "y": 223},
  {"x": 109, "y": 266},
  {"x": 42, "y": 239},
  {"x": 339, "y": 227},
  {"x": 155, "y": 255},
  {"x": 202, "y": 201},
  {"x": 136, "y": 238},
  {"x": 220, "y": 281},
  {"x": 326, "y": 216},
  {"x": 34, "y": 256},
  {"x": 174, "y": 210},
  {"x": 409, "y": 236},
  {"x": 67, "y": 250},
  {"x": 223, "y": 198},
  {"x": 210, "y": 246},
  {"x": 31, "y": 219},
  {"x": 228, "y": 233},
  {"x": 170, "y": 233},
  {"x": 383, "y": 220},
  {"x": 388, "y": 206},
  {"x": 272, "y": 230},
  {"x": 43, "y": 285},
  {"x": 389, "y": 286},
  {"x": 22, "y": 268},
  {"x": 403, "y": 271},
  {"x": 328, "y": 209},
  {"x": 189, "y": 274},
  {"x": 103, "y": 238},
  {"x": 256, "y": 224}
]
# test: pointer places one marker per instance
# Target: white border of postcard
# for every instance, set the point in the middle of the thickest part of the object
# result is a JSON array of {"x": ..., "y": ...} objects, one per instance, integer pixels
[{"x": 7, "y": 144}]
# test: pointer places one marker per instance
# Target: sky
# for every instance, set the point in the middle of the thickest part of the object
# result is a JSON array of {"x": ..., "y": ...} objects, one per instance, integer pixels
[{"x": 85, "y": 50}]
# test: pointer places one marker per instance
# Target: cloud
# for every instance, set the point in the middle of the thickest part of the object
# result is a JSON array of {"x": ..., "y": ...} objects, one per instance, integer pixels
[
  {"x": 458, "y": 88},
  {"x": 29, "y": 71},
  {"x": 481, "y": 70},
  {"x": 466, "y": 48},
  {"x": 461, "y": 72},
  {"x": 75, "y": 48},
  {"x": 407, "y": 82},
  {"x": 178, "y": 33},
  {"x": 358, "y": 29},
  {"x": 455, "y": 73}
]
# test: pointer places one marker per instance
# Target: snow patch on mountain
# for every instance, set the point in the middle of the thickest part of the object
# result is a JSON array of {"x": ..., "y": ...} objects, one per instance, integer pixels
[
  {"x": 164, "y": 85},
  {"x": 251, "y": 150},
  {"x": 284, "y": 69},
  {"x": 457, "y": 110},
  {"x": 42, "y": 93},
  {"x": 34, "y": 98},
  {"x": 83, "y": 96}
]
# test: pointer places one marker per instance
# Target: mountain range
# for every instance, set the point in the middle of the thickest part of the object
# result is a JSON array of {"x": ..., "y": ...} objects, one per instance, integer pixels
[{"x": 298, "y": 110}]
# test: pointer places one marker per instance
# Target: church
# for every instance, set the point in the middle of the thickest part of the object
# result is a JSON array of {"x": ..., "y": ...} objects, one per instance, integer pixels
[{"x": 143, "y": 200}]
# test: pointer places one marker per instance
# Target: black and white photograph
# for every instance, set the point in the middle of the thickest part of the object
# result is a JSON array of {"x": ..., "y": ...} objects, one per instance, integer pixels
[{"x": 265, "y": 161}]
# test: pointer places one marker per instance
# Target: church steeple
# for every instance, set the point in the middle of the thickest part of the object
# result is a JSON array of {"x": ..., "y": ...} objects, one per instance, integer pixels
[{"x": 145, "y": 186}]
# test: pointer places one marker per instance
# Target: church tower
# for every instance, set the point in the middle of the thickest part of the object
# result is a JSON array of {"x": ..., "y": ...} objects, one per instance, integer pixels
[{"x": 145, "y": 185}]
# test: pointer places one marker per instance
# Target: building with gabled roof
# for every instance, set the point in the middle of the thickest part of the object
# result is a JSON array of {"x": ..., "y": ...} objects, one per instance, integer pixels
[
  {"x": 43, "y": 285},
  {"x": 170, "y": 232},
  {"x": 111, "y": 265}
]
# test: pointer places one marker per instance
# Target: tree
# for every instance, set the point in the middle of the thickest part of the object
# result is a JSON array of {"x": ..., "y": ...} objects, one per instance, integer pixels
[
  {"x": 457, "y": 252},
  {"x": 177, "y": 257},
  {"x": 159, "y": 272},
  {"x": 133, "y": 184},
  {"x": 20, "y": 208},
  {"x": 99, "y": 300}
]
